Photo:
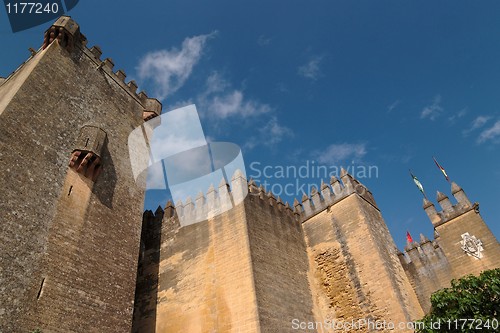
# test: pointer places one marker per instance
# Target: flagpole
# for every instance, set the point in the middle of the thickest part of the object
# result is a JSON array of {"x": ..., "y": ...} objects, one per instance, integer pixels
[
  {"x": 443, "y": 171},
  {"x": 417, "y": 183}
]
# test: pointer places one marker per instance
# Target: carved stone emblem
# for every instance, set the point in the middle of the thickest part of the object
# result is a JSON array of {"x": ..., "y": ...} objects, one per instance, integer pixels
[{"x": 472, "y": 246}]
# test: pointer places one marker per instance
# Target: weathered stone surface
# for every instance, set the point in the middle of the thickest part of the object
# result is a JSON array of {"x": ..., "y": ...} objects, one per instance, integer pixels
[
  {"x": 70, "y": 241},
  {"x": 68, "y": 245},
  {"x": 431, "y": 266},
  {"x": 355, "y": 272}
]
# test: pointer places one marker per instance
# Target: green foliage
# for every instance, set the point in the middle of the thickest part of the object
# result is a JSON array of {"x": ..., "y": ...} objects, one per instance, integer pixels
[
  {"x": 37, "y": 331},
  {"x": 471, "y": 304}
]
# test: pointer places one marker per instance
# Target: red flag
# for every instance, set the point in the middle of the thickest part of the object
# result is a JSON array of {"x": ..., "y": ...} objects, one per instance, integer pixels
[
  {"x": 408, "y": 238},
  {"x": 442, "y": 169}
]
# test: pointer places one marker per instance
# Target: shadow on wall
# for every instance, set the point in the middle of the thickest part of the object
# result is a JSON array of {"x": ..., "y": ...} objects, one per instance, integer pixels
[{"x": 104, "y": 188}]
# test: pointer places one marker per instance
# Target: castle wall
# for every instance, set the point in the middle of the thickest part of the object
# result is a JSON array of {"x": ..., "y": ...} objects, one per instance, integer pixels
[
  {"x": 450, "y": 236},
  {"x": 355, "y": 271},
  {"x": 280, "y": 264},
  {"x": 146, "y": 292},
  {"x": 431, "y": 266},
  {"x": 428, "y": 270},
  {"x": 205, "y": 276},
  {"x": 69, "y": 246}
]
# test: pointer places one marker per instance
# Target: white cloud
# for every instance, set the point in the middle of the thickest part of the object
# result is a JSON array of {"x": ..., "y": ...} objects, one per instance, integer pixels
[
  {"x": 311, "y": 69},
  {"x": 234, "y": 104},
  {"x": 336, "y": 153},
  {"x": 270, "y": 134},
  {"x": 452, "y": 119},
  {"x": 180, "y": 130},
  {"x": 479, "y": 122},
  {"x": 156, "y": 177},
  {"x": 434, "y": 110},
  {"x": 274, "y": 132},
  {"x": 393, "y": 105},
  {"x": 220, "y": 101},
  {"x": 215, "y": 84},
  {"x": 169, "y": 69},
  {"x": 263, "y": 40},
  {"x": 490, "y": 134}
]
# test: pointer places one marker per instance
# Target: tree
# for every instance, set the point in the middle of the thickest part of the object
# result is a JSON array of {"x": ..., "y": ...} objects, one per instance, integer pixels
[{"x": 471, "y": 304}]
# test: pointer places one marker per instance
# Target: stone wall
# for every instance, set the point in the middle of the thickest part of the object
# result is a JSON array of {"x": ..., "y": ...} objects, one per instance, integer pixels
[
  {"x": 280, "y": 263},
  {"x": 205, "y": 276},
  {"x": 427, "y": 269},
  {"x": 431, "y": 266},
  {"x": 355, "y": 272},
  {"x": 69, "y": 245}
]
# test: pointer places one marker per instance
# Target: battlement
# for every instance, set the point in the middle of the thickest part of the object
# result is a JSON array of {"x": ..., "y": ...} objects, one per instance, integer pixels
[
  {"x": 67, "y": 34},
  {"x": 328, "y": 195},
  {"x": 449, "y": 210},
  {"x": 415, "y": 248},
  {"x": 216, "y": 201}
]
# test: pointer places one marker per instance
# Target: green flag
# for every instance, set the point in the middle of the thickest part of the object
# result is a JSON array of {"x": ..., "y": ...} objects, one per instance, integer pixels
[{"x": 417, "y": 182}]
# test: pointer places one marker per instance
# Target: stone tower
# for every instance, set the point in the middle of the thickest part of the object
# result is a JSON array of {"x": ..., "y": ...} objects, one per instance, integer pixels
[
  {"x": 354, "y": 269},
  {"x": 265, "y": 267},
  {"x": 463, "y": 245},
  {"x": 244, "y": 270},
  {"x": 70, "y": 207}
]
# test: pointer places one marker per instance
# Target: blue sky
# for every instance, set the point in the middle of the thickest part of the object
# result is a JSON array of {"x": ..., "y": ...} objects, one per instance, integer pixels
[{"x": 378, "y": 83}]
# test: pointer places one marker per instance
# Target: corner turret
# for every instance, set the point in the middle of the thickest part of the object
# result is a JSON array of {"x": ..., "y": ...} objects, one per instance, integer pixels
[{"x": 460, "y": 195}]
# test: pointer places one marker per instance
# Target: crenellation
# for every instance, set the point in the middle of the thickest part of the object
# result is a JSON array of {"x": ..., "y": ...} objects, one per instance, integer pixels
[
  {"x": 200, "y": 207},
  {"x": 307, "y": 205},
  {"x": 297, "y": 207},
  {"x": 431, "y": 212},
  {"x": 252, "y": 187},
  {"x": 169, "y": 209},
  {"x": 423, "y": 239},
  {"x": 121, "y": 75},
  {"x": 444, "y": 202},
  {"x": 272, "y": 199},
  {"x": 225, "y": 202},
  {"x": 239, "y": 186},
  {"x": 188, "y": 211},
  {"x": 460, "y": 195},
  {"x": 143, "y": 97},
  {"x": 200, "y": 199},
  {"x": 179, "y": 208},
  {"x": 347, "y": 179},
  {"x": 280, "y": 204},
  {"x": 316, "y": 198},
  {"x": 262, "y": 192},
  {"x": 109, "y": 64},
  {"x": 97, "y": 52},
  {"x": 132, "y": 86},
  {"x": 336, "y": 186},
  {"x": 326, "y": 193},
  {"x": 448, "y": 210}
]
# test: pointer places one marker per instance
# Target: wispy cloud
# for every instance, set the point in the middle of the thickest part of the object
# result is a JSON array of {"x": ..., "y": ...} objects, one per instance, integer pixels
[
  {"x": 434, "y": 110},
  {"x": 393, "y": 105},
  {"x": 275, "y": 132},
  {"x": 337, "y": 153},
  {"x": 490, "y": 134},
  {"x": 270, "y": 134},
  {"x": 263, "y": 40},
  {"x": 479, "y": 122},
  {"x": 235, "y": 104},
  {"x": 169, "y": 69},
  {"x": 221, "y": 101},
  {"x": 311, "y": 70},
  {"x": 460, "y": 114}
]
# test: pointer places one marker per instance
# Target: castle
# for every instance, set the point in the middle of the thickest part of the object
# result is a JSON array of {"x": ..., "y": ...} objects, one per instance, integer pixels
[{"x": 75, "y": 257}]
